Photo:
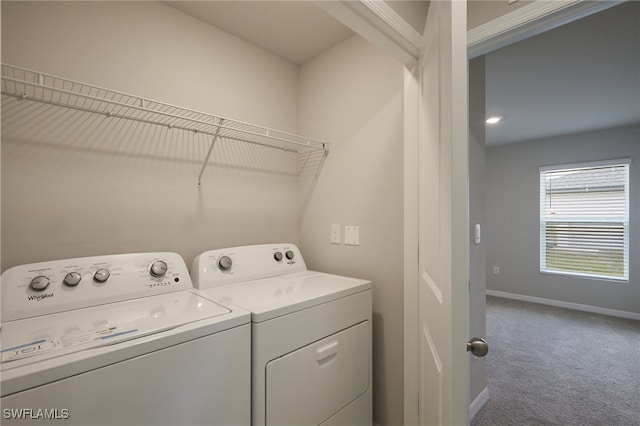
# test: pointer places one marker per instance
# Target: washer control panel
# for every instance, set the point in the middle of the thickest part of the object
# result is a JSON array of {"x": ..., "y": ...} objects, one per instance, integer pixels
[
  {"x": 225, "y": 266},
  {"x": 60, "y": 285}
]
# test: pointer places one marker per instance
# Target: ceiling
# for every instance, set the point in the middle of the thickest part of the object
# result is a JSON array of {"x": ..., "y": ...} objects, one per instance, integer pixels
[
  {"x": 296, "y": 31},
  {"x": 582, "y": 76}
]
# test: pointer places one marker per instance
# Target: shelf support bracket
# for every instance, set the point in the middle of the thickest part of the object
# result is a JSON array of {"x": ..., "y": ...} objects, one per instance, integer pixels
[{"x": 206, "y": 160}]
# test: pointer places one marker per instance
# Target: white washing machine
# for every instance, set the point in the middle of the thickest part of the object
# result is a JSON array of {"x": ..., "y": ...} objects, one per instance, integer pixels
[
  {"x": 311, "y": 334},
  {"x": 120, "y": 340}
]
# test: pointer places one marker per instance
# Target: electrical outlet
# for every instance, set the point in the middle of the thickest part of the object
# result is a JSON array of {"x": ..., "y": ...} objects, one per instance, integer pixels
[{"x": 496, "y": 270}]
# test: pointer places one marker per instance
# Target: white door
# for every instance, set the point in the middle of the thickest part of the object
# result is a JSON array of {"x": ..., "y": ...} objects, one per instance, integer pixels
[{"x": 442, "y": 217}]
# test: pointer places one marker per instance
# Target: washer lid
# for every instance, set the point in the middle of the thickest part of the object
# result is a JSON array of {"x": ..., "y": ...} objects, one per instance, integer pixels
[
  {"x": 48, "y": 336},
  {"x": 273, "y": 297}
]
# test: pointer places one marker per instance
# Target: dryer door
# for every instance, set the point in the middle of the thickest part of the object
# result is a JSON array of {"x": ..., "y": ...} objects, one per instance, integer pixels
[{"x": 309, "y": 385}]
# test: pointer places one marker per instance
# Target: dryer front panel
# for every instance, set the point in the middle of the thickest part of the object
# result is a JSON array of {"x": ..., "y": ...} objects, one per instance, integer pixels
[{"x": 311, "y": 384}]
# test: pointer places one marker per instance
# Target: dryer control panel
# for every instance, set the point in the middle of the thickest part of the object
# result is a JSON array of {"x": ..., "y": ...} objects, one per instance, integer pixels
[
  {"x": 49, "y": 287},
  {"x": 215, "y": 268}
]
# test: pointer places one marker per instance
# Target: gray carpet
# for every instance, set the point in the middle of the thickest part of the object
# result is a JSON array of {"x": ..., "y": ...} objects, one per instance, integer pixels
[{"x": 556, "y": 366}]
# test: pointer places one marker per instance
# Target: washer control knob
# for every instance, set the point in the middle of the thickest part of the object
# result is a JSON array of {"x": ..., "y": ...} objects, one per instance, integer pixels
[
  {"x": 72, "y": 279},
  {"x": 289, "y": 254},
  {"x": 101, "y": 275},
  {"x": 225, "y": 263},
  {"x": 277, "y": 256},
  {"x": 158, "y": 269},
  {"x": 39, "y": 283}
]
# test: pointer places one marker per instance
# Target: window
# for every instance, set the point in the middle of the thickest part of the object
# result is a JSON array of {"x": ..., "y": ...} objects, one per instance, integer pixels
[{"x": 584, "y": 219}]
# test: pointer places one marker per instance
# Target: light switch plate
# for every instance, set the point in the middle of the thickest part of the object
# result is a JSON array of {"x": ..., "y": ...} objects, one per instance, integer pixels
[
  {"x": 352, "y": 235},
  {"x": 335, "y": 234}
]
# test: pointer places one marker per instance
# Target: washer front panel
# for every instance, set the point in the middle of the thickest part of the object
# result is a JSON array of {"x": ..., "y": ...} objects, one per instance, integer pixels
[
  {"x": 116, "y": 340},
  {"x": 202, "y": 381}
]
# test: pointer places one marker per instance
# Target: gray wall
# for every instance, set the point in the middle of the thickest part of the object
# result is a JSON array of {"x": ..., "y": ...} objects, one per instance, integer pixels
[
  {"x": 477, "y": 252},
  {"x": 512, "y": 231}
]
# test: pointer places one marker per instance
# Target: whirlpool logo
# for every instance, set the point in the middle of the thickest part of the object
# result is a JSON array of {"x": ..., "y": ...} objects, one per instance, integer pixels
[{"x": 39, "y": 297}]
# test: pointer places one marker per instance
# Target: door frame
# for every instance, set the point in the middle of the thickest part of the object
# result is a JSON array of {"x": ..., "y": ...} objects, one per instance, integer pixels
[{"x": 528, "y": 21}]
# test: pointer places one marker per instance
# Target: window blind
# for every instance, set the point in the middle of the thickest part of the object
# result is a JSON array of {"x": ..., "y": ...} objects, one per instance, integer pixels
[{"x": 584, "y": 220}]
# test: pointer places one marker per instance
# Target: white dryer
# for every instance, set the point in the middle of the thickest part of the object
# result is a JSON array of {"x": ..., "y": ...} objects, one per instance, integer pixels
[
  {"x": 311, "y": 334},
  {"x": 120, "y": 340}
]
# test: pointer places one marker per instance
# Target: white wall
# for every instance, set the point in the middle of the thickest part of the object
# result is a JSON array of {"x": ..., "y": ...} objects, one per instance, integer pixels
[
  {"x": 512, "y": 234},
  {"x": 76, "y": 185},
  {"x": 352, "y": 96}
]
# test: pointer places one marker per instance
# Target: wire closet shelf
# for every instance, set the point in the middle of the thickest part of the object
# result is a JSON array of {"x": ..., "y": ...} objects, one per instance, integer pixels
[{"x": 23, "y": 83}]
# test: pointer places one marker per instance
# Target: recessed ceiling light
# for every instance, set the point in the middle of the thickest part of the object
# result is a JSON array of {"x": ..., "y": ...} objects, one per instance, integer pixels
[{"x": 493, "y": 120}]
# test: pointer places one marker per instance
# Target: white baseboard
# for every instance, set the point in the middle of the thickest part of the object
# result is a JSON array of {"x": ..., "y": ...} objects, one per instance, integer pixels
[
  {"x": 576, "y": 306},
  {"x": 478, "y": 403}
]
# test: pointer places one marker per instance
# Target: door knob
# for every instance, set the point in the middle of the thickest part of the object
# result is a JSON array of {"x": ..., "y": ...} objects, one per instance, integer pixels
[{"x": 478, "y": 347}]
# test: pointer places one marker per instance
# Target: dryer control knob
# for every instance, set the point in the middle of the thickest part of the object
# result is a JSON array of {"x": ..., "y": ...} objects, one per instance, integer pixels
[
  {"x": 72, "y": 279},
  {"x": 39, "y": 283},
  {"x": 289, "y": 254},
  {"x": 101, "y": 275},
  {"x": 158, "y": 269},
  {"x": 225, "y": 263},
  {"x": 277, "y": 256}
]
